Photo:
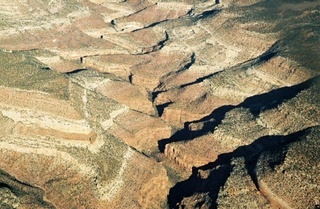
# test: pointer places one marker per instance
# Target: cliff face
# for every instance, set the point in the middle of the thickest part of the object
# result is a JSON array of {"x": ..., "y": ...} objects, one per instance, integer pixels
[{"x": 159, "y": 104}]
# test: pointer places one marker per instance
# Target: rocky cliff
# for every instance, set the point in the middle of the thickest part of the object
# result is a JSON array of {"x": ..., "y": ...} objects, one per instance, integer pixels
[{"x": 159, "y": 104}]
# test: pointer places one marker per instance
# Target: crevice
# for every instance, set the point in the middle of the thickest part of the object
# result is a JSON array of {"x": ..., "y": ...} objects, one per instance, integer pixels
[
  {"x": 270, "y": 53},
  {"x": 185, "y": 67},
  {"x": 154, "y": 95},
  {"x": 160, "y": 108},
  {"x": 156, "y": 47},
  {"x": 162, "y": 43},
  {"x": 130, "y": 78},
  {"x": 207, "y": 14},
  {"x": 188, "y": 65},
  {"x": 153, "y": 24},
  {"x": 45, "y": 68},
  {"x": 4, "y": 185},
  {"x": 190, "y": 12},
  {"x": 199, "y": 80},
  {"x": 75, "y": 72}
]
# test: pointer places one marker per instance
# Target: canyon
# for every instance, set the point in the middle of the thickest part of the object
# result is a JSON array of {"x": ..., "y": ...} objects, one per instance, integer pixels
[{"x": 176, "y": 104}]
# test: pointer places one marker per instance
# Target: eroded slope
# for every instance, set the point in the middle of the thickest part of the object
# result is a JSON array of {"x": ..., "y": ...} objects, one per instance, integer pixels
[{"x": 159, "y": 104}]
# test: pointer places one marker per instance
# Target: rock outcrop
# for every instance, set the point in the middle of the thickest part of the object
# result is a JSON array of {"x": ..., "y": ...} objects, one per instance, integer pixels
[{"x": 159, "y": 104}]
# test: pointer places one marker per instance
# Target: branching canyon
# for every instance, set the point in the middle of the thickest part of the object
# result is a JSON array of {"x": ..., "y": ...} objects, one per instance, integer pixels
[{"x": 176, "y": 104}]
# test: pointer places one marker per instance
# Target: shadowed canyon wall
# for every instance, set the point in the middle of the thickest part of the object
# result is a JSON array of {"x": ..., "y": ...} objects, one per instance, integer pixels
[{"x": 159, "y": 104}]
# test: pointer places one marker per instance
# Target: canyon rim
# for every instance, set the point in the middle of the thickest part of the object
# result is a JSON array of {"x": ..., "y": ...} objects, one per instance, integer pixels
[{"x": 159, "y": 104}]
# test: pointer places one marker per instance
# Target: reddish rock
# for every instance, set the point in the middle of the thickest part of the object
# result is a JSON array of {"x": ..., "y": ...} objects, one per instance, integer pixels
[
  {"x": 129, "y": 95},
  {"x": 140, "y": 131}
]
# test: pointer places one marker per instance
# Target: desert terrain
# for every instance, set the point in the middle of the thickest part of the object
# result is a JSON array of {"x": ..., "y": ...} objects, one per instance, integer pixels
[{"x": 176, "y": 104}]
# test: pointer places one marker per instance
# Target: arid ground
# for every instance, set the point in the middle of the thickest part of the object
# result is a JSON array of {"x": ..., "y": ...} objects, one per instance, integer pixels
[{"x": 150, "y": 104}]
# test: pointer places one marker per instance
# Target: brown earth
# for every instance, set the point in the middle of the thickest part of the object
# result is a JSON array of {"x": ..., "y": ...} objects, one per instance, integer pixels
[{"x": 159, "y": 104}]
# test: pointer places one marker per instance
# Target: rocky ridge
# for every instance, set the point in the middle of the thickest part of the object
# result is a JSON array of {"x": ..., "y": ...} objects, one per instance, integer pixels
[{"x": 159, "y": 104}]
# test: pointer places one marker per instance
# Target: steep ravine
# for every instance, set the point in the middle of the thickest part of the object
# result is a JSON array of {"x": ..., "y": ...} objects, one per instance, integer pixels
[{"x": 159, "y": 104}]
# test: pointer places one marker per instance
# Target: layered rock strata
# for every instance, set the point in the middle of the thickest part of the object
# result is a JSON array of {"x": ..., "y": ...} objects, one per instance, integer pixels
[{"x": 159, "y": 104}]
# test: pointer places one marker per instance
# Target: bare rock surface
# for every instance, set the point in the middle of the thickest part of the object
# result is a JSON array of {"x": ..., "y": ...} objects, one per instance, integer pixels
[
  {"x": 159, "y": 104},
  {"x": 140, "y": 131}
]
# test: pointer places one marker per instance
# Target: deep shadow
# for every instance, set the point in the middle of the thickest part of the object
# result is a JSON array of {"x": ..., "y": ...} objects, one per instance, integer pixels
[
  {"x": 155, "y": 94},
  {"x": 160, "y": 108},
  {"x": 3, "y": 185},
  {"x": 270, "y": 53},
  {"x": 163, "y": 42},
  {"x": 185, "y": 134},
  {"x": 46, "y": 68},
  {"x": 188, "y": 65},
  {"x": 130, "y": 78},
  {"x": 256, "y": 104},
  {"x": 199, "y": 80},
  {"x": 221, "y": 169},
  {"x": 75, "y": 71},
  {"x": 207, "y": 14},
  {"x": 195, "y": 184}
]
